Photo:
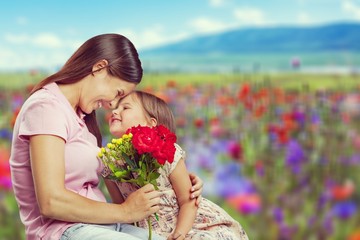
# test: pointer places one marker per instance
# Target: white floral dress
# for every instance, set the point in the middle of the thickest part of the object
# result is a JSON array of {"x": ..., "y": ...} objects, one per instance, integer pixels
[{"x": 211, "y": 222}]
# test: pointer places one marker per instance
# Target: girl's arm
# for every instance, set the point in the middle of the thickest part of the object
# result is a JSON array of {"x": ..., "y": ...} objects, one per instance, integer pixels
[
  {"x": 57, "y": 202},
  {"x": 187, "y": 213},
  {"x": 114, "y": 191}
]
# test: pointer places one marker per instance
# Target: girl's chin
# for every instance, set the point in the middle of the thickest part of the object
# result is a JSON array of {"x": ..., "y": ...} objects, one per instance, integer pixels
[{"x": 116, "y": 132}]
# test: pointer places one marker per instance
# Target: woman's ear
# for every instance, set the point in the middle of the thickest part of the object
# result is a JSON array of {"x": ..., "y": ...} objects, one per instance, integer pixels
[{"x": 99, "y": 66}]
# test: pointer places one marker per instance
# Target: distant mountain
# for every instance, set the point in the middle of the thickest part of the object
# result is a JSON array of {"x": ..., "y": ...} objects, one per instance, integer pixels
[{"x": 333, "y": 37}]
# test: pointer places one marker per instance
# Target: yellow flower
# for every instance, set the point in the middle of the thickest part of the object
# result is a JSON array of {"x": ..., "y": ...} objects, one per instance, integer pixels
[
  {"x": 110, "y": 146},
  {"x": 100, "y": 154},
  {"x": 113, "y": 140},
  {"x": 119, "y": 141},
  {"x": 102, "y": 150}
]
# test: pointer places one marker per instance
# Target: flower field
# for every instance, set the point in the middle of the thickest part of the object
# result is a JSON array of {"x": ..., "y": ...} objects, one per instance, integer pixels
[{"x": 282, "y": 158}]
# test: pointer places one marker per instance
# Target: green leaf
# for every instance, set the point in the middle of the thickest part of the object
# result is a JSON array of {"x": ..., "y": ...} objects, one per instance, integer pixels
[
  {"x": 154, "y": 175},
  {"x": 121, "y": 173},
  {"x": 127, "y": 159},
  {"x": 154, "y": 183}
]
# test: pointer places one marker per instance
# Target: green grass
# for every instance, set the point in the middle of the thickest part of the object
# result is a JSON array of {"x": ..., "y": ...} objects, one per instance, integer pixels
[
  {"x": 291, "y": 81},
  {"x": 18, "y": 80}
]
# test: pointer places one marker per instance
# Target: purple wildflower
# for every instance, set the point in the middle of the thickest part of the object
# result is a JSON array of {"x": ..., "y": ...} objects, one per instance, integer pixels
[
  {"x": 295, "y": 156},
  {"x": 344, "y": 210},
  {"x": 278, "y": 215}
]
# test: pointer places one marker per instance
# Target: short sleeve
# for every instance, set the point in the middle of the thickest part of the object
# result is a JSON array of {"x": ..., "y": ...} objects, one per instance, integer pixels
[
  {"x": 43, "y": 116},
  {"x": 179, "y": 154}
]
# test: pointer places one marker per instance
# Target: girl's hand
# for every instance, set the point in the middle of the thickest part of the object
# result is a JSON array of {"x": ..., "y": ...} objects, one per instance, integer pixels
[{"x": 197, "y": 187}]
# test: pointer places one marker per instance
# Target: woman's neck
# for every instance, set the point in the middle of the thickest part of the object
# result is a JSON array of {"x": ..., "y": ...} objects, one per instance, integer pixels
[{"x": 72, "y": 92}]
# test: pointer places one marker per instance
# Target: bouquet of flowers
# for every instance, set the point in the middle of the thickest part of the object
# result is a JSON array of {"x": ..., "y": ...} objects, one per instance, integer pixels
[{"x": 137, "y": 156}]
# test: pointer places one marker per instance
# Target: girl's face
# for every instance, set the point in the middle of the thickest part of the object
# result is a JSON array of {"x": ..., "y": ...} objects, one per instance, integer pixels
[
  {"x": 129, "y": 113},
  {"x": 103, "y": 89}
]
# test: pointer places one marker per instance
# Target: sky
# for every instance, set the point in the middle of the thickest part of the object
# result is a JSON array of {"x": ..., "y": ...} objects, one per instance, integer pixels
[{"x": 41, "y": 34}]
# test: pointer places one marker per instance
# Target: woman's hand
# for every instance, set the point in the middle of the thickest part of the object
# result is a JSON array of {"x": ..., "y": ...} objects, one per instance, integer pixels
[
  {"x": 197, "y": 187},
  {"x": 176, "y": 235},
  {"x": 142, "y": 203}
]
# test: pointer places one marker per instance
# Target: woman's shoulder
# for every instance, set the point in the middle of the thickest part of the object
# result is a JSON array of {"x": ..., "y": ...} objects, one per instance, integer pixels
[{"x": 42, "y": 96}]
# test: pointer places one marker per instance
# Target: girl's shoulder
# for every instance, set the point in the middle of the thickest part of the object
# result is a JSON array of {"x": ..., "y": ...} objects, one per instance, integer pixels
[{"x": 179, "y": 153}]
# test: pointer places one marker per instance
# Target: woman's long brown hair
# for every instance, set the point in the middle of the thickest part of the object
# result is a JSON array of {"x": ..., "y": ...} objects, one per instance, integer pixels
[{"x": 123, "y": 62}]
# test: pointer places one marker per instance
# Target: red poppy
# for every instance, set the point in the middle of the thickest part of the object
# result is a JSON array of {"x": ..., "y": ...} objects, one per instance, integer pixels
[
  {"x": 244, "y": 92},
  {"x": 342, "y": 192},
  {"x": 199, "y": 122}
]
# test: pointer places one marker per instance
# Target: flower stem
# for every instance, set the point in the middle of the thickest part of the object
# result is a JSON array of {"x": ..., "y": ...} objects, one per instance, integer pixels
[{"x": 149, "y": 225}]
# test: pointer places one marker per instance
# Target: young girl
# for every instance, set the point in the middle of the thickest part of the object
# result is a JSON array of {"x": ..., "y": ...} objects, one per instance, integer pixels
[{"x": 179, "y": 217}]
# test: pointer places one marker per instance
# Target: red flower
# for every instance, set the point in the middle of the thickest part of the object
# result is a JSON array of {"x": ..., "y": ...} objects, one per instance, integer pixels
[
  {"x": 244, "y": 92},
  {"x": 343, "y": 192},
  {"x": 145, "y": 139},
  {"x": 165, "y": 153},
  {"x": 199, "y": 122},
  {"x": 158, "y": 141},
  {"x": 235, "y": 150},
  {"x": 165, "y": 134},
  {"x": 166, "y": 150}
]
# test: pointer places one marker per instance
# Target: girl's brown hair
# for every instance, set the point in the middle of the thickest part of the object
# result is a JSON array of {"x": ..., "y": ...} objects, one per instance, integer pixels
[
  {"x": 121, "y": 55},
  {"x": 157, "y": 108}
]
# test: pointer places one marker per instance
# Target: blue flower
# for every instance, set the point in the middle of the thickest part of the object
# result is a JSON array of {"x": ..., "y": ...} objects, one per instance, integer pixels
[
  {"x": 295, "y": 156},
  {"x": 344, "y": 210}
]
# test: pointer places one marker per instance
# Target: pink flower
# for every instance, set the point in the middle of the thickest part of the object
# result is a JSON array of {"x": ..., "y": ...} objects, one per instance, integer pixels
[{"x": 246, "y": 203}]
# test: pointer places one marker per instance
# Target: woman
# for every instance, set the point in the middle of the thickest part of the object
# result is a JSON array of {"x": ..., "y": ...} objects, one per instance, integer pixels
[{"x": 55, "y": 142}]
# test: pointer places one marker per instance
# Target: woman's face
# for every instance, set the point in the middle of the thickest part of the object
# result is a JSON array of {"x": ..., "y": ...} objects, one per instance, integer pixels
[
  {"x": 103, "y": 89},
  {"x": 129, "y": 113}
]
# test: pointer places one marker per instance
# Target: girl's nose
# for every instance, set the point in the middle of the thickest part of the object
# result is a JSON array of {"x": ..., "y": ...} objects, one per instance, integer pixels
[{"x": 115, "y": 112}]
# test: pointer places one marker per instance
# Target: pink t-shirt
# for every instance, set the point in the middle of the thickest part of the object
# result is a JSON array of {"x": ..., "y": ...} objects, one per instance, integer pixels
[{"x": 48, "y": 112}]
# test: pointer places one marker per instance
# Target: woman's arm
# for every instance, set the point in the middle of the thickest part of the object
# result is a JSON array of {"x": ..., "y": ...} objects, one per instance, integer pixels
[
  {"x": 55, "y": 201},
  {"x": 188, "y": 208}
]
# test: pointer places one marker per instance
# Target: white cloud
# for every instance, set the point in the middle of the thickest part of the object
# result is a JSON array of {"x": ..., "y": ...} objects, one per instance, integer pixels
[
  {"x": 301, "y": 2},
  {"x": 43, "y": 50},
  {"x": 303, "y": 18},
  {"x": 216, "y": 3},
  {"x": 47, "y": 40},
  {"x": 43, "y": 40},
  {"x": 153, "y": 36},
  {"x": 16, "y": 39},
  {"x": 250, "y": 16},
  {"x": 5, "y": 57},
  {"x": 207, "y": 25},
  {"x": 350, "y": 7},
  {"x": 15, "y": 60}
]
